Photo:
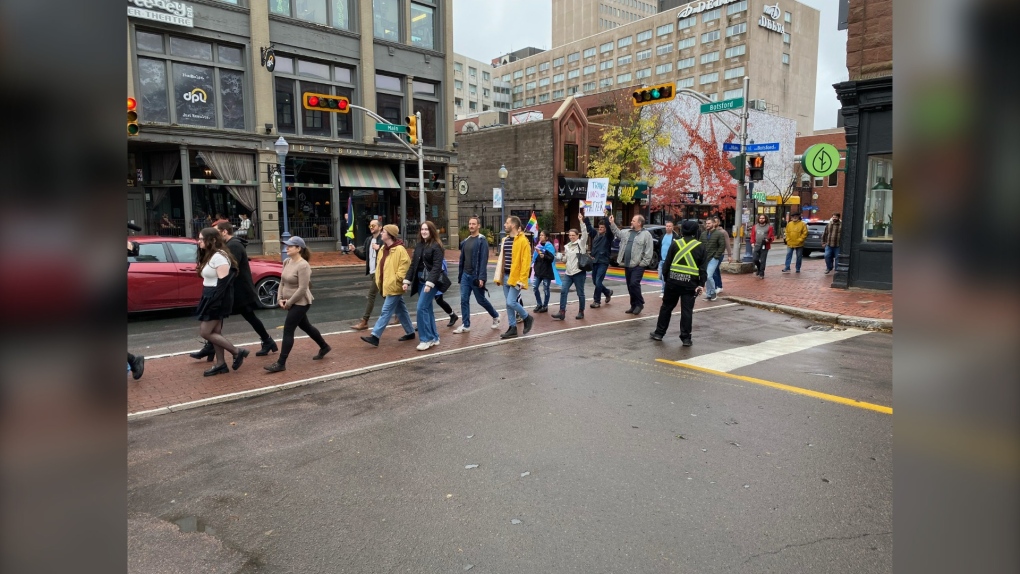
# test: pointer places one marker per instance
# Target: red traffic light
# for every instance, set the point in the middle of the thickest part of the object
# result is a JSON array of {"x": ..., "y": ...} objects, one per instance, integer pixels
[
  {"x": 325, "y": 103},
  {"x": 343, "y": 105},
  {"x": 131, "y": 104},
  {"x": 756, "y": 161},
  {"x": 313, "y": 100}
]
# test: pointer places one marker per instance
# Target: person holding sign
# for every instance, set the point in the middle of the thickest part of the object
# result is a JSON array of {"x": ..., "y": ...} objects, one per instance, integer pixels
[
  {"x": 601, "y": 244},
  {"x": 574, "y": 274}
]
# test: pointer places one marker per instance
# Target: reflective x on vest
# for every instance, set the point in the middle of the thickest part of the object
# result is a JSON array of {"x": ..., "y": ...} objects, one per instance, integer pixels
[{"x": 684, "y": 261}]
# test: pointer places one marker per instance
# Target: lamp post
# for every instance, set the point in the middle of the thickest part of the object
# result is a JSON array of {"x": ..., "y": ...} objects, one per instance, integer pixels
[
  {"x": 502, "y": 203},
  {"x": 282, "y": 147}
]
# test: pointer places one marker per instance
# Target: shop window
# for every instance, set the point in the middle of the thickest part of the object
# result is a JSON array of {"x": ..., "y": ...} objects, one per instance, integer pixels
[
  {"x": 386, "y": 19},
  {"x": 423, "y": 26},
  {"x": 878, "y": 206},
  {"x": 569, "y": 157}
]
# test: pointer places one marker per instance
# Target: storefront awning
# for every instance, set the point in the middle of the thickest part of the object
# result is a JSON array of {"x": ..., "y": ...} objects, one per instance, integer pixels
[
  {"x": 630, "y": 191},
  {"x": 367, "y": 175},
  {"x": 778, "y": 200},
  {"x": 573, "y": 187}
]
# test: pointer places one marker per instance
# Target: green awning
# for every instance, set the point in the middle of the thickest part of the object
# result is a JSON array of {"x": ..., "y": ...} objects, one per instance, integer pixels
[{"x": 367, "y": 175}]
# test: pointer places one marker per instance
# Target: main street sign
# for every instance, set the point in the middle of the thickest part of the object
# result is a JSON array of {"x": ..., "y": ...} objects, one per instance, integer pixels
[
  {"x": 821, "y": 160},
  {"x": 722, "y": 106},
  {"x": 391, "y": 128},
  {"x": 726, "y": 146}
]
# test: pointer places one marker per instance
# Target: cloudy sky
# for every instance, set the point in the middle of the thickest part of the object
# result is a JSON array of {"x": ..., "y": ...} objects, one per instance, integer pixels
[{"x": 484, "y": 29}]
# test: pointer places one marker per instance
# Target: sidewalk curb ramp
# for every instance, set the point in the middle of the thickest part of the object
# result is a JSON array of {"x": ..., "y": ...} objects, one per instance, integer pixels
[{"x": 865, "y": 323}]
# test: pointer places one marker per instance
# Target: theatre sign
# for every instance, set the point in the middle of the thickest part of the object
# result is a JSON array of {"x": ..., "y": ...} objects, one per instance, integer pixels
[
  {"x": 166, "y": 11},
  {"x": 699, "y": 7}
]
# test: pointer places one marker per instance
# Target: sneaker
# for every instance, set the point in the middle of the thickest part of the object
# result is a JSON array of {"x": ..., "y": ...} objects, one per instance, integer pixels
[
  {"x": 495, "y": 322},
  {"x": 712, "y": 298},
  {"x": 719, "y": 289},
  {"x": 596, "y": 305},
  {"x": 827, "y": 271},
  {"x": 434, "y": 343},
  {"x": 655, "y": 336},
  {"x": 686, "y": 342},
  {"x": 787, "y": 271},
  {"x": 609, "y": 295},
  {"x": 423, "y": 346},
  {"x": 461, "y": 329}
]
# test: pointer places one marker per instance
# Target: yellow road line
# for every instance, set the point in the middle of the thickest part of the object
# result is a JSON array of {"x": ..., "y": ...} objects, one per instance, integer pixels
[{"x": 788, "y": 388}]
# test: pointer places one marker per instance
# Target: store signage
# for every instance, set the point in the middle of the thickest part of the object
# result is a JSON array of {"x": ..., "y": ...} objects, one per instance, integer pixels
[
  {"x": 821, "y": 160},
  {"x": 769, "y": 19},
  {"x": 388, "y": 155},
  {"x": 166, "y": 11},
  {"x": 699, "y": 7}
]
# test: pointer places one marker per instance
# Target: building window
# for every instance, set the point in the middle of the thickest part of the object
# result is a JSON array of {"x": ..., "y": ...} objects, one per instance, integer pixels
[
  {"x": 543, "y": 98},
  {"x": 736, "y": 29},
  {"x": 621, "y": 61},
  {"x": 624, "y": 41},
  {"x": 529, "y": 101},
  {"x": 663, "y": 30},
  {"x": 486, "y": 93},
  {"x": 518, "y": 104},
  {"x": 573, "y": 74},
  {"x": 786, "y": 59},
  {"x": 644, "y": 54},
  {"x": 710, "y": 16},
  {"x": 473, "y": 106},
  {"x": 529, "y": 86},
  {"x": 605, "y": 82},
  {"x": 819, "y": 181},
  {"x": 834, "y": 179},
  {"x": 472, "y": 89},
  {"x": 569, "y": 157},
  {"x": 458, "y": 85},
  {"x": 642, "y": 74},
  {"x": 459, "y": 102},
  {"x": 730, "y": 94},
  {"x": 529, "y": 71},
  {"x": 589, "y": 53},
  {"x": 472, "y": 72},
  {"x": 506, "y": 78},
  {"x": 557, "y": 78},
  {"x": 685, "y": 63},
  {"x": 710, "y": 36},
  {"x": 687, "y": 23},
  {"x": 518, "y": 89},
  {"x": 786, "y": 38},
  {"x": 386, "y": 19},
  {"x": 458, "y": 68},
  {"x": 571, "y": 90},
  {"x": 710, "y": 57},
  {"x": 588, "y": 86},
  {"x": 557, "y": 62},
  {"x": 878, "y": 205},
  {"x": 735, "y": 51},
  {"x": 557, "y": 94},
  {"x": 644, "y": 36},
  {"x": 423, "y": 26},
  {"x": 734, "y": 73},
  {"x": 664, "y": 68},
  {"x": 543, "y": 67},
  {"x": 209, "y": 95},
  {"x": 787, "y": 17},
  {"x": 663, "y": 49},
  {"x": 590, "y": 69},
  {"x": 518, "y": 74},
  {"x": 686, "y": 43},
  {"x": 737, "y": 7},
  {"x": 685, "y": 83},
  {"x": 429, "y": 109},
  {"x": 486, "y": 76},
  {"x": 485, "y": 107},
  {"x": 571, "y": 58},
  {"x": 336, "y": 13},
  {"x": 623, "y": 78},
  {"x": 607, "y": 47},
  {"x": 708, "y": 78},
  {"x": 543, "y": 82}
]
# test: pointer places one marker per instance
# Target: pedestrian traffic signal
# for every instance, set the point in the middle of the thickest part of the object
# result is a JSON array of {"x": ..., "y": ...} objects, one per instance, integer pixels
[
  {"x": 738, "y": 167},
  {"x": 326, "y": 103},
  {"x": 756, "y": 164},
  {"x": 412, "y": 129},
  {"x": 132, "y": 117},
  {"x": 654, "y": 94},
  {"x": 434, "y": 180}
]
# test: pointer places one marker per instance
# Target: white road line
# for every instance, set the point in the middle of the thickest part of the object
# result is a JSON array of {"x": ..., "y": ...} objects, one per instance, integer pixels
[{"x": 733, "y": 359}]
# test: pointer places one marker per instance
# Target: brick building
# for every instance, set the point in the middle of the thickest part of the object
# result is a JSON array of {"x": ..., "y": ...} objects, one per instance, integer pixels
[{"x": 828, "y": 189}]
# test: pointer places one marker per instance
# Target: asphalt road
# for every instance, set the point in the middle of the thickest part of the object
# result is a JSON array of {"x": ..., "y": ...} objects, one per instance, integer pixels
[{"x": 632, "y": 465}]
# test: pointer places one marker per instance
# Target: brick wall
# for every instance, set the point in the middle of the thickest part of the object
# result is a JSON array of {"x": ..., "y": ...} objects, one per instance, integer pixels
[
  {"x": 830, "y": 199},
  {"x": 869, "y": 45}
]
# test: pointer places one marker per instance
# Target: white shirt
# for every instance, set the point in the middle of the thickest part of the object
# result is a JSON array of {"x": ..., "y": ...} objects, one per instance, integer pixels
[{"x": 209, "y": 277}]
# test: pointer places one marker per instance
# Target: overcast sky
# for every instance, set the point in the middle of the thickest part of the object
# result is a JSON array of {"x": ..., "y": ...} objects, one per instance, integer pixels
[{"x": 484, "y": 29}]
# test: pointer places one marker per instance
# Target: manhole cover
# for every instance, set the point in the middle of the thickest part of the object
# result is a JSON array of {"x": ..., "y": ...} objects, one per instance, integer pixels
[{"x": 820, "y": 327}]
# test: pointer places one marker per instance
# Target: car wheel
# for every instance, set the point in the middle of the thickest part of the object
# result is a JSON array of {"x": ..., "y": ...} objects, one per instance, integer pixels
[
  {"x": 266, "y": 291},
  {"x": 807, "y": 253}
]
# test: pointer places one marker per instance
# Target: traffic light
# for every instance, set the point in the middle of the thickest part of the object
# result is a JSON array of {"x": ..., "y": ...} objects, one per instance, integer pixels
[
  {"x": 412, "y": 129},
  {"x": 434, "y": 180},
  {"x": 654, "y": 94},
  {"x": 132, "y": 117},
  {"x": 756, "y": 164},
  {"x": 738, "y": 167},
  {"x": 326, "y": 103}
]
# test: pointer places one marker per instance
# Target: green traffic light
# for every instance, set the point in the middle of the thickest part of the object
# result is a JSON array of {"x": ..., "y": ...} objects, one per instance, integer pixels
[{"x": 655, "y": 94}]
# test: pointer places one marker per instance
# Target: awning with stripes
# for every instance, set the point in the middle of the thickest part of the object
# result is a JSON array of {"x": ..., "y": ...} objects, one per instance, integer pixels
[{"x": 367, "y": 175}]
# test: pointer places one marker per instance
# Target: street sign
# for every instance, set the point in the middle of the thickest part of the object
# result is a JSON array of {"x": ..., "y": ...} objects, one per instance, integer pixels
[
  {"x": 722, "y": 106},
  {"x": 759, "y": 196},
  {"x": 391, "y": 128},
  {"x": 821, "y": 160},
  {"x": 731, "y": 147},
  {"x": 752, "y": 148},
  {"x": 497, "y": 198}
]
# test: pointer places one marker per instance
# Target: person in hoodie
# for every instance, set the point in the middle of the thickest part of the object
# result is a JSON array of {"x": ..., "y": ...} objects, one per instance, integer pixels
[
  {"x": 544, "y": 264},
  {"x": 423, "y": 277},
  {"x": 685, "y": 269},
  {"x": 762, "y": 236},
  {"x": 573, "y": 274},
  {"x": 601, "y": 244},
  {"x": 392, "y": 266}
]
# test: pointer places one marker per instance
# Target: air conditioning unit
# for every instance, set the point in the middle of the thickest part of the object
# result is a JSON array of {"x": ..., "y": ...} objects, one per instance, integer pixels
[{"x": 758, "y": 105}]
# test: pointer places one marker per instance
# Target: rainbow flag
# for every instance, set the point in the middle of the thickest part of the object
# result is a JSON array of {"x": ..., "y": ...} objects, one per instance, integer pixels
[
  {"x": 532, "y": 224},
  {"x": 350, "y": 217}
]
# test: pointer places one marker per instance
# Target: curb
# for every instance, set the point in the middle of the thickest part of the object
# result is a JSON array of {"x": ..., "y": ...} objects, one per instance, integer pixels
[{"x": 866, "y": 323}]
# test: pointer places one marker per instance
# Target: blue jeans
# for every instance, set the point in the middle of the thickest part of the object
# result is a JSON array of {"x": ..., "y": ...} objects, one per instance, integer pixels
[
  {"x": 578, "y": 282},
  {"x": 426, "y": 315},
  {"x": 662, "y": 288},
  {"x": 789, "y": 256},
  {"x": 831, "y": 253},
  {"x": 713, "y": 267},
  {"x": 598, "y": 277},
  {"x": 542, "y": 291},
  {"x": 393, "y": 304},
  {"x": 513, "y": 308},
  {"x": 717, "y": 277},
  {"x": 469, "y": 285}
]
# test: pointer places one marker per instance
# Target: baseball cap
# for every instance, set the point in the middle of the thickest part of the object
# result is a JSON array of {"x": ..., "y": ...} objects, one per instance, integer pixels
[{"x": 295, "y": 241}]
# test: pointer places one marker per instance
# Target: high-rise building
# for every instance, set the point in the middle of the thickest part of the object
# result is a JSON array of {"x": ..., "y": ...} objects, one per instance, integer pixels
[
  {"x": 576, "y": 19},
  {"x": 476, "y": 88}
]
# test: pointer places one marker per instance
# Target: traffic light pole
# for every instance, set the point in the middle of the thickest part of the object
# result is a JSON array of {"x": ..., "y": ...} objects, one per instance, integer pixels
[
  {"x": 738, "y": 218},
  {"x": 421, "y": 174}
]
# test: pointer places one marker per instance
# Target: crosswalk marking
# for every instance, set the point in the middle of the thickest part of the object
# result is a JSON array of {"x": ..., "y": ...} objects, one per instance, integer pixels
[{"x": 733, "y": 359}]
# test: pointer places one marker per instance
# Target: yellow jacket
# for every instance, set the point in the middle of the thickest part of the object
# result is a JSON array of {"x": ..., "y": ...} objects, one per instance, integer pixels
[
  {"x": 520, "y": 265},
  {"x": 389, "y": 276},
  {"x": 796, "y": 233}
]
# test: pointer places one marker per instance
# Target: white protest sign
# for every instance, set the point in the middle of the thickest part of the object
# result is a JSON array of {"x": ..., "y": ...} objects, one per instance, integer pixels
[
  {"x": 595, "y": 202},
  {"x": 497, "y": 198}
]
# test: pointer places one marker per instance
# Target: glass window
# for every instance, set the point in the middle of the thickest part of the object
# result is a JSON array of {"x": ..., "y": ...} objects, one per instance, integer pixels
[
  {"x": 588, "y": 86},
  {"x": 183, "y": 252},
  {"x": 314, "y": 69},
  {"x": 710, "y": 16},
  {"x": 834, "y": 179},
  {"x": 643, "y": 36},
  {"x": 644, "y": 54},
  {"x": 386, "y": 19},
  {"x": 544, "y": 66},
  {"x": 685, "y": 63},
  {"x": 736, "y": 29},
  {"x": 624, "y": 60},
  {"x": 663, "y": 30},
  {"x": 285, "y": 106},
  {"x": 663, "y": 49},
  {"x": 687, "y": 23},
  {"x": 571, "y": 58},
  {"x": 786, "y": 17},
  {"x": 664, "y": 68},
  {"x": 473, "y": 89},
  {"x": 423, "y": 26},
  {"x": 486, "y": 76},
  {"x": 486, "y": 93},
  {"x": 518, "y": 74},
  {"x": 710, "y": 57},
  {"x": 737, "y": 93},
  {"x": 154, "y": 106},
  {"x": 311, "y": 11},
  {"x": 472, "y": 72},
  {"x": 607, "y": 47},
  {"x": 281, "y": 7},
  {"x": 473, "y": 105},
  {"x": 543, "y": 82},
  {"x": 571, "y": 90},
  {"x": 542, "y": 98},
  {"x": 624, "y": 41},
  {"x": 786, "y": 58},
  {"x": 573, "y": 74},
  {"x": 605, "y": 82},
  {"x": 341, "y": 16},
  {"x": 228, "y": 55},
  {"x": 819, "y": 181},
  {"x": 506, "y": 77},
  {"x": 708, "y": 78},
  {"x": 736, "y": 7},
  {"x": 589, "y": 53},
  {"x": 190, "y": 49},
  {"x": 735, "y": 51},
  {"x": 429, "y": 113},
  {"x": 194, "y": 95},
  {"x": 608, "y": 64},
  {"x": 734, "y": 73},
  {"x": 529, "y": 86},
  {"x": 569, "y": 157},
  {"x": 458, "y": 67},
  {"x": 590, "y": 69},
  {"x": 623, "y": 78},
  {"x": 390, "y": 107},
  {"x": 557, "y": 62},
  {"x": 530, "y": 70},
  {"x": 149, "y": 42},
  {"x": 786, "y": 38},
  {"x": 384, "y": 82},
  {"x": 685, "y": 83},
  {"x": 284, "y": 65},
  {"x": 427, "y": 88},
  {"x": 232, "y": 98},
  {"x": 558, "y": 94},
  {"x": 314, "y": 122},
  {"x": 458, "y": 85},
  {"x": 518, "y": 89},
  {"x": 642, "y": 74},
  {"x": 710, "y": 36},
  {"x": 155, "y": 253},
  {"x": 878, "y": 205},
  {"x": 529, "y": 101},
  {"x": 558, "y": 78},
  {"x": 686, "y": 43}
]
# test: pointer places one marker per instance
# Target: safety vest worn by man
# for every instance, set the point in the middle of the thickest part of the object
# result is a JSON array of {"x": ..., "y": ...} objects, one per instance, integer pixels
[{"x": 684, "y": 261}]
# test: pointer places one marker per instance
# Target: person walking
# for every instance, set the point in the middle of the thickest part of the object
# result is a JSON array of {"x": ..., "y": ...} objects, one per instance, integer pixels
[
  {"x": 296, "y": 297},
  {"x": 544, "y": 264},
  {"x": 830, "y": 239},
  {"x": 573, "y": 274},
  {"x": 668, "y": 237},
  {"x": 601, "y": 244},
  {"x": 472, "y": 273},
  {"x": 218, "y": 270},
  {"x": 370, "y": 253},
  {"x": 796, "y": 233},
  {"x": 714, "y": 240},
  {"x": 512, "y": 270},
  {"x": 636, "y": 247},
  {"x": 762, "y": 236},
  {"x": 685, "y": 280},
  {"x": 442, "y": 302},
  {"x": 717, "y": 276},
  {"x": 245, "y": 227},
  {"x": 422, "y": 277},
  {"x": 390, "y": 270}
]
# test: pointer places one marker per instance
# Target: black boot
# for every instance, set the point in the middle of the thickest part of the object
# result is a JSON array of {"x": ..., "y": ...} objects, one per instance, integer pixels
[
  {"x": 268, "y": 346},
  {"x": 205, "y": 351},
  {"x": 510, "y": 333}
]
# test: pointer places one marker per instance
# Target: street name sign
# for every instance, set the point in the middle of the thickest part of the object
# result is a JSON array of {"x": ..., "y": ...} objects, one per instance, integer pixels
[
  {"x": 722, "y": 106},
  {"x": 759, "y": 196},
  {"x": 821, "y": 160},
  {"x": 773, "y": 146},
  {"x": 731, "y": 147},
  {"x": 391, "y": 128}
]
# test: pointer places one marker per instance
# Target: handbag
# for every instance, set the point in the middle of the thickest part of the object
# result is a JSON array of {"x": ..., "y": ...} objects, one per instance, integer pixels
[{"x": 584, "y": 262}]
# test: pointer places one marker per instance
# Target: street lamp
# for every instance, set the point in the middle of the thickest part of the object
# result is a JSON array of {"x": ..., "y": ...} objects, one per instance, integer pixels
[
  {"x": 282, "y": 147},
  {"x": 502, "y": 203}
]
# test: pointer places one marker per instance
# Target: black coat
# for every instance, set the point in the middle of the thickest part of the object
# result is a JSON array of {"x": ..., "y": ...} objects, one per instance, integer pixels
[
  {"x": 244, "y": 286},
  {"x": 685, "y": 282},
  {"x": 428, "y": 257}
]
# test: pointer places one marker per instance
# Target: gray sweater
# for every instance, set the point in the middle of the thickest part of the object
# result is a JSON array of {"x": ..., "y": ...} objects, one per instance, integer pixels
[{"x": 641, "y": 254}]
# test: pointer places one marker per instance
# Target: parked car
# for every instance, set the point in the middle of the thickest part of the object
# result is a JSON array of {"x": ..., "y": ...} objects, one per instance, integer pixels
[
  {"x": 657, "y": 232},
  {"x": 163, "y": 276},
  {"x": 814, "y": 236}
]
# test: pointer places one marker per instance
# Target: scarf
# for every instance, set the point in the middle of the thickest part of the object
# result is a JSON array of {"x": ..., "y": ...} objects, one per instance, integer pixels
[{"x": 382, "y": 264}]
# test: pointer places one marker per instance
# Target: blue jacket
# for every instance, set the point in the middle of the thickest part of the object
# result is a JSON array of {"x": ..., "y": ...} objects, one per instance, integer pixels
[
  {"x": 600, "y": 244},
  {"x": 480, "y": 258}
]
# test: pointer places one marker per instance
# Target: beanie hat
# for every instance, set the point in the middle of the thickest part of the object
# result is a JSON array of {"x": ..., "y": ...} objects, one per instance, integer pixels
[
  {"x": 392, "y": 230},
  {"x": 689, "y": 227}
]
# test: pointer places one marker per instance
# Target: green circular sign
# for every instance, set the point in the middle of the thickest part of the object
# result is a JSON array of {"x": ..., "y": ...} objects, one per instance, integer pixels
[{"x": 821, "y": 160}]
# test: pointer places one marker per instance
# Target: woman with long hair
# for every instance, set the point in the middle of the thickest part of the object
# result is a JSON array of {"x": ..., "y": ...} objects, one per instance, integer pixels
[
  {"x": 762, "y": 236},
  {"x": 573, "y": 274},
  {"x": 295, "y": 295},
  {"x": 218, "y": 269},
  {"x": 544, "y": 264},
  {"x": 423, "y": 276}
]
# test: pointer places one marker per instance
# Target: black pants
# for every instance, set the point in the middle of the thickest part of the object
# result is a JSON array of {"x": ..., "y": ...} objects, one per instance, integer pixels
[
  {"x": 634, "y": 275},
  {"x": 297, "y": 316},
  {"x": 249, "y": 315},
  {"x": 443, "y": 305},
  {"x": 686, "y": 296}
]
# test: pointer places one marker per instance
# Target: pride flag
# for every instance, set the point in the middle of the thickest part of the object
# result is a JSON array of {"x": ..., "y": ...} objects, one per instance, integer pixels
[
  {"x": 532, "y": 224},
  {"x": 350, "y": 218}
]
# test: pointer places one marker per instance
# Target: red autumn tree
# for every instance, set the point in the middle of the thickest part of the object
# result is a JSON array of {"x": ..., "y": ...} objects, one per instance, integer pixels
[{"x": 674, "y": 185}]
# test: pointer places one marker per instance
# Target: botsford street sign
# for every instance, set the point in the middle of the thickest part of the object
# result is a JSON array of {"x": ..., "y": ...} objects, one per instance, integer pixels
[{"x": 722, "y": 106}]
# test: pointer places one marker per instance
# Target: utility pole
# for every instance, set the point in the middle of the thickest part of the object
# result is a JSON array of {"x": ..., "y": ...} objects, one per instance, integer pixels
[
  {"x": 738, "y": 219},
  {"x": 421, "y": 173}
]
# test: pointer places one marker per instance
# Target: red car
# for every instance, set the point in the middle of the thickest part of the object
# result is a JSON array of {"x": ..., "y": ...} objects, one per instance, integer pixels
[{"x": 163, "y": 276}]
